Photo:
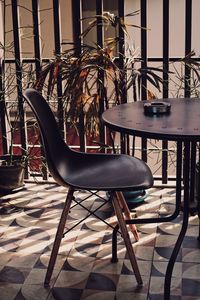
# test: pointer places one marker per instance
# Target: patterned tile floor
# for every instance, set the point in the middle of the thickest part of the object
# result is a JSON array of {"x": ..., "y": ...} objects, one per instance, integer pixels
[{"x": 28, "y": 221}]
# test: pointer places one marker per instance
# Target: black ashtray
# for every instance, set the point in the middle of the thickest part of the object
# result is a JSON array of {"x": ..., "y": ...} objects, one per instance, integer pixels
[{"x": 157, "y": 107}]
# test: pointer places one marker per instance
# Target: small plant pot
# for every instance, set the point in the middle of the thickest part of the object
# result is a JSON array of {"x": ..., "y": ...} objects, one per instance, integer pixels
[
  {"x": 11, "y": 177},
  {"x": 135, "y": 198}
]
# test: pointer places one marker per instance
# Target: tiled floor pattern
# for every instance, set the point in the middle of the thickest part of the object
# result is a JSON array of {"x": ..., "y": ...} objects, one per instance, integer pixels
[{"x": 28, "y": 221}]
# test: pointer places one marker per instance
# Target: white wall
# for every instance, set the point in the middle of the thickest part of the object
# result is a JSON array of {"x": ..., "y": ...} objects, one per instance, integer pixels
[
  {"x": 46, "y": 28},
  {"x": 154, "y": 25},
  {"x": 176, "y": 28}
]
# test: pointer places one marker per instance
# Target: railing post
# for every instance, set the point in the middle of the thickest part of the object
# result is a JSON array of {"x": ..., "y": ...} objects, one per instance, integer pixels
[
  {"x": 14, "y": 7},
  {"x": 100, "y": 88},
  {"x": 166, "y": 83},
  {"x": 143, "y": 4},
  {"x": 76, "y": 13},
  {"x": 188, "y": 42}
]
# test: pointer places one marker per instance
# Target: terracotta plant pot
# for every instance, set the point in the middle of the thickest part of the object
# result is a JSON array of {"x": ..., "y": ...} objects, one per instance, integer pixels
[{"x": 11, "y": 177}]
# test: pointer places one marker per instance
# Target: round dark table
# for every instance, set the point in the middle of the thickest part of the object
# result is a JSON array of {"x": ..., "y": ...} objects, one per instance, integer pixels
[{"x": 182, "y": 125}]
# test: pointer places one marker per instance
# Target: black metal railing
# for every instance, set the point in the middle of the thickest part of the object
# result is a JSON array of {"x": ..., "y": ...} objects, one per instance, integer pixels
[{"x": 76, "y": 17}]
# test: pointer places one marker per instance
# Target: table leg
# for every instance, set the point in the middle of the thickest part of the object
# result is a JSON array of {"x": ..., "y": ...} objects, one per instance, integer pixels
[
  {"x": 157, "y": 219},
  {"x": 188, "y": 193}
]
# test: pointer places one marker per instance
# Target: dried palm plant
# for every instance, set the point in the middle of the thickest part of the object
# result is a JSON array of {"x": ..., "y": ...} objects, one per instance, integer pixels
[
  {"x": 185, "y": 77},
  {"x": 94, "y": 76}
]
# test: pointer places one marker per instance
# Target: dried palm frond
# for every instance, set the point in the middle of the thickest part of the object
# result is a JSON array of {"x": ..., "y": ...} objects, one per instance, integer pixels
[{"x": 93, "y": 78}]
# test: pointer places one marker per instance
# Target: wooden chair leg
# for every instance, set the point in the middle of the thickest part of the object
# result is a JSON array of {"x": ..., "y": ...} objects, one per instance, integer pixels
[
  {"x": 59, "y": 236},
  {"x": 124, "y": 205},
  {"x": 127, "y": 241}
]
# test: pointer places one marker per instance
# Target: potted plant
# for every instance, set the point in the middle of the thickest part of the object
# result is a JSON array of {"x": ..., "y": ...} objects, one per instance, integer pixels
[
  {"x": 11, "y": 174},
  {"x": 14, "y": 158},
  {"x": 11, "y": 163},
  {"x": 93, "y": 79}
]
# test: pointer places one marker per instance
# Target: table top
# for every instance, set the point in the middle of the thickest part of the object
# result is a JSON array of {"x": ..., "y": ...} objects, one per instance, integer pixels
[{"x": 182, "y": 123}]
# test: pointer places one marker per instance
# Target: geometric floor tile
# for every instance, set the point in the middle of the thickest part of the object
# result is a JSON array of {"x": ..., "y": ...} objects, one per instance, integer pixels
[{"x": 28, "y": 222}]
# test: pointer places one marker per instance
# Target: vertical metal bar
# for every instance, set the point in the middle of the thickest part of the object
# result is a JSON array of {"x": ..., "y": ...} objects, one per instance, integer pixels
[
  {"x": 134, "y": 99},
  {"x": 121, "y": 66},
  {"x": 114, "y": 258},
  {"x": 134, "y": 91},
  {"x": 2, "y": 110},
  {"x": 165, "y": 79},
  {"x": 36, "y": 36},
  {"x": 144, "y": 149},
  {"x": 165, "y": 47},
  {"x": 188, "y": 42},
  {"x": 38, "y": 66},
  {"x": 121, "y": 37},
  {"x": 56, "y": 18},
  {"x": 123, "y": 144},
  {"x": 2, "y": 88},
  {"x": 164, "y": 161},
  {"x": 99, "y": 11},
  {"x": 19, "y": 78},
  {"x": 100, "y": 88},
  {"x": 76, "y": 13},
  {"x": 143, "y": 4},
  {"x": 122, "y": 55},
  {"x": 144, "y": 46},
  {"x": 192, "y": 179},
  {"x": 198, "y": 187},
  {"x": 133, "y": 147},
  {"x": 179, "y": 161}
]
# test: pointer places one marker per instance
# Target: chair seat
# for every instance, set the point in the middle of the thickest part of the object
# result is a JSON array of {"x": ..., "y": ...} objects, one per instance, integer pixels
[{"x": 109, "y": 172}]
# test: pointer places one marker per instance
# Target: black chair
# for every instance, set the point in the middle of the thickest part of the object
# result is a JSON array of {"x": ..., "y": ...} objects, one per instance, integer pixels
[{"x": 87, "y": 171}]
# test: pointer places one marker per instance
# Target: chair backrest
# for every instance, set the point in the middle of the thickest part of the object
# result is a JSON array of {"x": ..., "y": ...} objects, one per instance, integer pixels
[{"x": 57, "y": 153}]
